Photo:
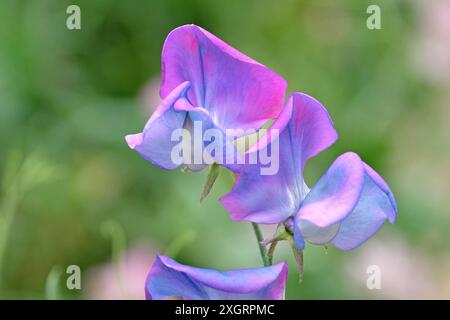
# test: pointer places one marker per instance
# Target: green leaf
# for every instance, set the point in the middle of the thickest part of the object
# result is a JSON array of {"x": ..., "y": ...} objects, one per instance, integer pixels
[
  {"x": 212, "y": 176},
  {"x": 298, "y": 255}
]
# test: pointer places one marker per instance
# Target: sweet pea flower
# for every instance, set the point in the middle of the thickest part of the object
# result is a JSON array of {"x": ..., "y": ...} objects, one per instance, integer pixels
[
  {"x": 170, "y": 279},
  {"x": 348, "y": 204},
  {"x": 207, "y": 81}
]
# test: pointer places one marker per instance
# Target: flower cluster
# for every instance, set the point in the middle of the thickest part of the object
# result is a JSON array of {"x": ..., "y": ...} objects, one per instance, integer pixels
[{"x": 206, "y": 81}]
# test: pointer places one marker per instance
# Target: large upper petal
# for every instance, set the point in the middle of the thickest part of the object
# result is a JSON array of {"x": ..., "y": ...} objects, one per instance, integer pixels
[
  {"x": 238, "y": 92},
  {"x": 168, "y": 278},
  {"x": 305, "y": 128},
  {"x": 349, "y": 203}
]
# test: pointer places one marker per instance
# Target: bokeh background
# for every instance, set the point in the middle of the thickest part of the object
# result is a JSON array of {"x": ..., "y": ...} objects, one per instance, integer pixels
[{"x": 72, "y": 193}]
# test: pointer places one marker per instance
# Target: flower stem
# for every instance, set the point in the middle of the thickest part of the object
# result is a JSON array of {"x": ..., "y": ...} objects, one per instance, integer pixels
[{"x": 262, "y": 247}]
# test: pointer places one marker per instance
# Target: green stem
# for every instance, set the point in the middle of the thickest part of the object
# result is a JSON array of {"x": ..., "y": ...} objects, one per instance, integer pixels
[{"x": 262, "y": 247}]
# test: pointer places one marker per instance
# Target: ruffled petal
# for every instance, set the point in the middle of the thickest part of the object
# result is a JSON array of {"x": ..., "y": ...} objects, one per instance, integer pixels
[
  {"x": 347, "y": 206},
  {"x": 302, "y": 130},
  {"x": 168, "y": 278},
  {"x": 237, "y": 91}
]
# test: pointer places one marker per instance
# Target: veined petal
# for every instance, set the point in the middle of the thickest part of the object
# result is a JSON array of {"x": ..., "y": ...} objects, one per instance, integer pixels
[
  {"x": 168, "y": 278},
  {"x": 347, "y": 205},
  {"x": 302, "y": 130},
  {"x": 154, "y": 144},
  {"x": 238, "y": 92}
]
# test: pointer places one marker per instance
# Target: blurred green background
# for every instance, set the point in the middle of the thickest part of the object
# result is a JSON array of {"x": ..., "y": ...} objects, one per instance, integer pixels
[{"x": 74, "y": 194}]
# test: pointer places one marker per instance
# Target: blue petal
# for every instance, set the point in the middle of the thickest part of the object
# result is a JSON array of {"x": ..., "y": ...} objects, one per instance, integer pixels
[
  {"x": 154, "y": 143},
  {"x": 346, "y": 206},
  {"x": 168, "y": 278},
  {"x": 374, "y": 207},
  {"x": 159, "y": 141}
]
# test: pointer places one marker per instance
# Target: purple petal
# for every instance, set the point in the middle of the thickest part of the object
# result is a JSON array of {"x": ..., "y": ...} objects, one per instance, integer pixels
[
  {"x": 306, "y": 129},
  {"x": 347, "y": 206},
  {"x": 311, "y": 129},
  {"x": 168, "y": 278},
  {"x": 154, "y": 143},
  {"x": 237, "y": 91}
]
